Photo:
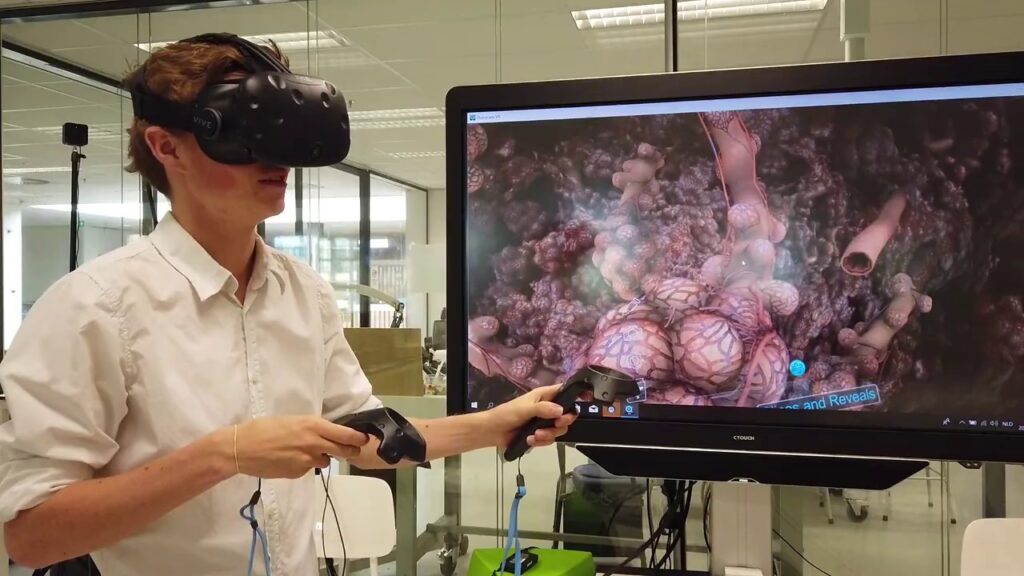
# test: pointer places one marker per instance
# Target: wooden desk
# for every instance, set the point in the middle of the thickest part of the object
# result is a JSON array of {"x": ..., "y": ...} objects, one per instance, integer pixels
[{"x": 391, "y": 358}]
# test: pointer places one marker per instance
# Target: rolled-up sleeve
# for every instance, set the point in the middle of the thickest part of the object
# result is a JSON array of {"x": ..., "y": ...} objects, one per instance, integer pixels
[
  {"x": 346, "y": 388},
  {"x": 65, "y": 380}
]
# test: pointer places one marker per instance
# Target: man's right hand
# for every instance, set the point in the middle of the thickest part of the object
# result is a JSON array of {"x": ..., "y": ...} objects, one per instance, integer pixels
[
  {"x": 99, "y": 512},
  {"x": 289, "y": 446}
]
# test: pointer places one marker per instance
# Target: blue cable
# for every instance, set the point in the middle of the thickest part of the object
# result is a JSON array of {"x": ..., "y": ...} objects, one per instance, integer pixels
[
  {"x": 248, "y": 513},
  {"x": 513, "y": 530}
]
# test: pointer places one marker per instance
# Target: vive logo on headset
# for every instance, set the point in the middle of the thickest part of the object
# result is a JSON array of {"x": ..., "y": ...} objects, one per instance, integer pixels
[{"x": 207, "y": 122}]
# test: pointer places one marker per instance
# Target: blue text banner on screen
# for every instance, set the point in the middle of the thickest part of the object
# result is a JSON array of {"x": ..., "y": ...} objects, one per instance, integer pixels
[
  {"x": 750, "y": 103},
  {"x": 844, "y": 399}
]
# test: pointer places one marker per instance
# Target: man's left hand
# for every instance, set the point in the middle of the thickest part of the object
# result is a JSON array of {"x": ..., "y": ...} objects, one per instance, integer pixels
[{"x": 509, "y": 417}]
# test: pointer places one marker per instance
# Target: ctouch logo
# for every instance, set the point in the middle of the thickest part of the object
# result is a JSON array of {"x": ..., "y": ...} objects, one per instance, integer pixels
[{"x": 744, "y": 438}]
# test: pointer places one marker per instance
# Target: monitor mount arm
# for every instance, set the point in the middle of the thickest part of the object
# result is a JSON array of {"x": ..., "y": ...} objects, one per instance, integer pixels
[{"x": 371, "y": 292}]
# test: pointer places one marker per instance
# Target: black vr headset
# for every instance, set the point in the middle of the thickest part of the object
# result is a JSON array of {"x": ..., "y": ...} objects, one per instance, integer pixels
[{"x": 270, "y": 116}]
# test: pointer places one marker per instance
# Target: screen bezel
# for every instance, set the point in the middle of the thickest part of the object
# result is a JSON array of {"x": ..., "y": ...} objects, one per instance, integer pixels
[{"x": 760, "y": 430}]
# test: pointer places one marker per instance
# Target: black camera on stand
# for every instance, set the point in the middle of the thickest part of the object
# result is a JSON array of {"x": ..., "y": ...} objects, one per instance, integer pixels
[{"x": 76, "y": 136}]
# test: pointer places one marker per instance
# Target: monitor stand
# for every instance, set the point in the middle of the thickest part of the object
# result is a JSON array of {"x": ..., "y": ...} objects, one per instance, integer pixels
[
  {"x": 741, "y": 501},
  {"x": 741, "y": 527}
]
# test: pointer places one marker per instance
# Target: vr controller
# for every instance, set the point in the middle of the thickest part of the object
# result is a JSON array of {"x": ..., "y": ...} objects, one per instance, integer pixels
[
  {"x": 607, "y": 386},
  {"x": 398, "y": 437}
]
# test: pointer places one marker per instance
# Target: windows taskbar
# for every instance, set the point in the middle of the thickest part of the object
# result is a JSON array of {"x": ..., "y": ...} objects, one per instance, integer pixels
[{"x": 626, "y": 410}]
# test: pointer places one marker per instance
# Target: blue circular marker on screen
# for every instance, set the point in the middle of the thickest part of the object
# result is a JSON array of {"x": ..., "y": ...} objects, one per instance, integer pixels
[{"x": 797, "y": 368}]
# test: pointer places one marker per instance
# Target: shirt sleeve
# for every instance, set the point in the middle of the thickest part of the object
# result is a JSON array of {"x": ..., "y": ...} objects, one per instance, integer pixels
[
  {"x": 346, "y": 388},
  {"x": 64, "y": 380}
]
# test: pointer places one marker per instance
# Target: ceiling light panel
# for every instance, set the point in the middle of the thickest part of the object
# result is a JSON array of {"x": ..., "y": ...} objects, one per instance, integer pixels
[
  {"x": 398, "y": 118},
  {"x": 413, "y": 155},
  {"x": 391, "y": 124},
  {"x": 286, "y": 41},
  {"x": 396, "y": 114},
  {"x": 689, "y": 10},
  {"x": 41, "y": 170}
]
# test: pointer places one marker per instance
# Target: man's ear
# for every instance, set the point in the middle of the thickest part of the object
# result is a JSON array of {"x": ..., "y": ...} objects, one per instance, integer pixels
[{"x": 165, "y": 147}]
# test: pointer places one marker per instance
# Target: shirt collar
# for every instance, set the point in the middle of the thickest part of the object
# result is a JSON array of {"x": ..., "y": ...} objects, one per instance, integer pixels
[
  {"x": 261, "y": 266},
  {"x": 189, "y": 258}
]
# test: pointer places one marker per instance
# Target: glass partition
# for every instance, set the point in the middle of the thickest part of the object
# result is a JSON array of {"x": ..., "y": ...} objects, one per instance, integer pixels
[
  {"x": 331, "y": 226},
  {"x": 38, "y": 99},
  {"x": 397, "y": 220}
]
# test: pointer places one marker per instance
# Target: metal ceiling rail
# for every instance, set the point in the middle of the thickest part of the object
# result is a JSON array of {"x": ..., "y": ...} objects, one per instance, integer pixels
[{"x": 85, "y": 9}]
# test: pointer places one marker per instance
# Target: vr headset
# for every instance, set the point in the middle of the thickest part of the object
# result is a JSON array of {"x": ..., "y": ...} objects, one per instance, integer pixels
[{"x": 270, "y": 116}]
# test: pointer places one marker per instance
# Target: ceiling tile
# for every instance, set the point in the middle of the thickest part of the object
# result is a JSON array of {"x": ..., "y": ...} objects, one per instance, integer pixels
[
  {"x": 352, "y": 14},
  {"x": 386, "y": 99},
  {"x": 125, "y": 29},
  {"x": 244, "y": 21},
  {"x": 82, "y": 115},
  {"x": 904, "y": 40},
  {"x": 30, "y": 97},
  {"x": 86, "y": 93},
  {"x": 986, "y": 35},
  {"x": 369, "y": 78},
  {"x": 54, "y": 35},
  {"x": 435, "y": 77},
  {"x": 433, "y": 40},
  {"x": 547, "y": 32},
  {"x": 10, "y": 81},
  {"x": 26, "y": 137},
  {"x": 973, "y": 9},
  {"x": 27, "y": 74},
  {"x": 113, "y": 60}
]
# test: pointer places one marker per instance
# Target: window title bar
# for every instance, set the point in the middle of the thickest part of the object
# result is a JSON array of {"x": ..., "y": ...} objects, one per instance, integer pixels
[{"x": 748, "y": 103}]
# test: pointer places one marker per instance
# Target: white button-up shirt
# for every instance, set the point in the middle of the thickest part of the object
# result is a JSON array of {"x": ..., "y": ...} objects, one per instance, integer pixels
[{"x": 146, "y": 349}]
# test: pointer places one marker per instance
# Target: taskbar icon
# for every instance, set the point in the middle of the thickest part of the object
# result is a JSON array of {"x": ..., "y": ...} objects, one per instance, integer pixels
[{"x": 619, "y": 409}]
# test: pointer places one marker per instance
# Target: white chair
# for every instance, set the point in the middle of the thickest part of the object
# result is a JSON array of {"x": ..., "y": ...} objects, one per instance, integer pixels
[
  {"x": 366, "y": 513},
  {"x": 992, "y": 547}
]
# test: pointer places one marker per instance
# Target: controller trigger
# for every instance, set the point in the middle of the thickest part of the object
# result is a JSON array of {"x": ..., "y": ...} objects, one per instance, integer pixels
[{"x": 398, "y": 437}]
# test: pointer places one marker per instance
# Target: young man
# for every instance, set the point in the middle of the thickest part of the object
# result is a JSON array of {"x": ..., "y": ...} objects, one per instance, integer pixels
[{"x": 150, "y": 388}]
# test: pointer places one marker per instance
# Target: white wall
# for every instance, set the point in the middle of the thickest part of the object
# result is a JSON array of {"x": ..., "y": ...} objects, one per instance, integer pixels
[
  {"x": 45, "y": 255},
  {"x": 437, "y": 220},
  {"x": 97, "y": 241},
  {"x": 12, "y": 257},
  {"x": 417, "y": 315},
  {"x": 45, "y": 259}
]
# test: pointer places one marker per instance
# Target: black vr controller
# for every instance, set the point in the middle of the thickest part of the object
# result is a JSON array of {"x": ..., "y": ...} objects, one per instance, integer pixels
[
  {"x": 607, "y": 386},
  {"x": 398, "y": 437}
]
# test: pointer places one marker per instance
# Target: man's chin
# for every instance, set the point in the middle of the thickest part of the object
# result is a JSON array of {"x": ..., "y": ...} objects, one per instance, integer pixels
[{"x": 273, "y": 204}]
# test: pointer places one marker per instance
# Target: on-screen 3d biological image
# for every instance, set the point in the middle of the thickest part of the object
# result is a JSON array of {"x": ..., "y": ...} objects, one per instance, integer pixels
[{"x": 755, "y": 258}]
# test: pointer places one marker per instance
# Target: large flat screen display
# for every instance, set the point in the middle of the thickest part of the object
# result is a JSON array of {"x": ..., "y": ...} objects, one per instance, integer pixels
[{"x": 842, "y": 258}]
